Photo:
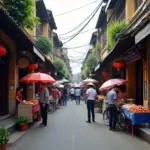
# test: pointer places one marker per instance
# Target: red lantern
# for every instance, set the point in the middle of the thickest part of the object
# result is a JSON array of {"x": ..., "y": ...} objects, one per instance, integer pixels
[
  {"x": 118, "y": 65},
  {"x": 2, "y": 50},
  {"x": 49, "y": 73},
  {"x": 105, "y": 74},
  {"x": 32, "y": 67}
]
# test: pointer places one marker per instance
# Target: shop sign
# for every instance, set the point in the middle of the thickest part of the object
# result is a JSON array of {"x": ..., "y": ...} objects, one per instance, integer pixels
[
  {"x": 145, "y": 90},
  {"x": 131, "y": 55}
]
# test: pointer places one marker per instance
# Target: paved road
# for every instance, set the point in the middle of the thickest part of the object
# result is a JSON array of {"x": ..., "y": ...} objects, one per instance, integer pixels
[{"x": 67, "y": 130}]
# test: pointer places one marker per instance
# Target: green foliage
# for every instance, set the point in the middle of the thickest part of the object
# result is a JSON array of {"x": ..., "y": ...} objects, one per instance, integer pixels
[
  {"x": 44, "y": 44},
  {"x": 62, "y": 67},
  {"x": 91, "y": 61},
  {"x": 4, "y": 135},
  {"x": 22, "y": 12},
  {"x": 113, "y": 29},
  {"x": 21, "y": 120}
]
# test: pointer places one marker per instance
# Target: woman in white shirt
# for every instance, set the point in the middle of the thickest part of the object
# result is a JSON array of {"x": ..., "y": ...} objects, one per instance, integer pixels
[{"x": 91, "y": 96}]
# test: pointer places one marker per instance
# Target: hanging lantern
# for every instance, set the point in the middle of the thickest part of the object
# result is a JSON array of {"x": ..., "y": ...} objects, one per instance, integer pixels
[
  {"x": 105, "y": 74},
  {"x": 49, "y": 73},
  {"x": 32, "y": 67},
  {"x": 3, "y": 50},
  {"x": 118, "y": 65}
]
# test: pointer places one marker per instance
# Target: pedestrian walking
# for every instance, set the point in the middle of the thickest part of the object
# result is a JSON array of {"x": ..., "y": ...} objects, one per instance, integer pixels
[
  {"x": 44, "y": 101},
  {"x": 91, "y": 96},
  {"x": 65, "y": 94},
  {"x": 78, "y": 95},
  {"x": 72, "y": 92},
  {"x": 113, "y": 108},
  {"x": 55, "y": 95}
]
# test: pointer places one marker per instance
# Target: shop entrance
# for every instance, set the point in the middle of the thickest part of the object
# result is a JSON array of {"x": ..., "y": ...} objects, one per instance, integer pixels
[
  {"x": 139, "y": 82},
  {"x": 3, "y": 85},
  {"x": 22, "y": 73}
]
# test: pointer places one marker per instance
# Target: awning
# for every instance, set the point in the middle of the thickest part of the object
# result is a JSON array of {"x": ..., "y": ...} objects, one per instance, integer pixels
[
  {"x": 10, "y": 27},
  {"x": 119, "y": 49},
  {"x": 142, "y": 34}
]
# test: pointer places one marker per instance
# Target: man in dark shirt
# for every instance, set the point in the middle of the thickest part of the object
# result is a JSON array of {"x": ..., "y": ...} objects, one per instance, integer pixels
[{"x": 65, "y": 93}]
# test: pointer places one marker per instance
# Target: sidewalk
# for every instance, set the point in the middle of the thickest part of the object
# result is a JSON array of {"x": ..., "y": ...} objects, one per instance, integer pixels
[
  {"x": 9, "y": 123},
  {"x": 145, "y": 134}
]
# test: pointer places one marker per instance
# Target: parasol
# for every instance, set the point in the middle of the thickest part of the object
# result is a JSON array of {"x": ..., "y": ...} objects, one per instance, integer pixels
[
  {"x": 112, "y": 82},
  {"x": 38, "y": 77}
]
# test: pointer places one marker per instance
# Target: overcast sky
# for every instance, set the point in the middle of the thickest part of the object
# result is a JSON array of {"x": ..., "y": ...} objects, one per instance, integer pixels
[{"x": 69, "y": 21}]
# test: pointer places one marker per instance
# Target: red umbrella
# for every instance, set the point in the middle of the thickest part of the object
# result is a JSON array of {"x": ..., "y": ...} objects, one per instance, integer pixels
[
  {"x": 112, "y": 82},
  {"x": 37, "y": 77}
]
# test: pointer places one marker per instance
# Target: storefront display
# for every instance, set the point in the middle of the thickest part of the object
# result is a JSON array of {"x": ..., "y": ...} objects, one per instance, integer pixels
[
  {"x": 136, "y": 114},
  {"x": 29, "y": 109}
]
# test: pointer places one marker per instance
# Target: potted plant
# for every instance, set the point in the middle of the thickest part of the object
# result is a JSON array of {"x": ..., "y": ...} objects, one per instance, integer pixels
[
  {"x": 23, "y": 123},
  {"x": 4, "y": 137},
  {"x": 39, "y": 117}
]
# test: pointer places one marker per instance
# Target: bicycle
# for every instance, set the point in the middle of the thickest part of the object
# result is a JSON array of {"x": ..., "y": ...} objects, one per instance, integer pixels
[
  {"x": 52, "y": 107},
  {"x": 120, "y": 119},
  {"x": 98, "y": 106}
]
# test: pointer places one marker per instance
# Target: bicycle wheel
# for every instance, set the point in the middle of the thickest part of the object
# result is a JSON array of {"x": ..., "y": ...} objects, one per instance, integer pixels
[
  {"x": 51, "y": 109},
  {"x": 106, "y": 117},
  {"x": 121, "y": 121}
]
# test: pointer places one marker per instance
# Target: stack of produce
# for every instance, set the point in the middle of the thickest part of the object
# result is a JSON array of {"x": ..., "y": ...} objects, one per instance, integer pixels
[
  {"x": 31, "y": 102},
  {"x": 139, "y": 109}
]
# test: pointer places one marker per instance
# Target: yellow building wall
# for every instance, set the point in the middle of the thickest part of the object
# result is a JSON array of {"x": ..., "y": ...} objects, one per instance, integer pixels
[{"x": 45, "y": 29}]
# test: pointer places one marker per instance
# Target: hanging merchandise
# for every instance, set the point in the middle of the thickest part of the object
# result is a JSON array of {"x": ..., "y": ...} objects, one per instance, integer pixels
[
  {"x": 118, "y": 65},
  {"x": 3, "y": 50}
]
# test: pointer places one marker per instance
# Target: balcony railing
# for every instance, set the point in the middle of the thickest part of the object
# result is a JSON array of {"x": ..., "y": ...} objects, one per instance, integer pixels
[{"x": 38, "y": 30}]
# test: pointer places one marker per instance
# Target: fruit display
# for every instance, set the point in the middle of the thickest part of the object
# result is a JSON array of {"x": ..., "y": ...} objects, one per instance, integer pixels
[
  {"x": 31, "y": 102},
  {"x": 139, "y": 109}
]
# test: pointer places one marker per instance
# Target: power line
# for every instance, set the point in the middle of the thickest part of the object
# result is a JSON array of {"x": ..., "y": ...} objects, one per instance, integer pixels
[
  {"x": 80, "y": 23},
  {"x": 70, "y": 11},
  {"x": 85, "y": 24},
  {"x": 67, "y": 37}
]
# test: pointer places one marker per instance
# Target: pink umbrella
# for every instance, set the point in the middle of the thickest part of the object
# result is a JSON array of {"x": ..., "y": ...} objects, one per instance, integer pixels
[
  {"x": 112, "y": 82},
  {"x": 81, "y": 84}
]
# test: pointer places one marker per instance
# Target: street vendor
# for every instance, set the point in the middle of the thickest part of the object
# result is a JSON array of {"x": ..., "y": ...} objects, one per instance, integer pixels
[
  {"x": 19, "y": 95},
  {"x": 44, "y": 101},
  {"x": 113, "y": 107}
]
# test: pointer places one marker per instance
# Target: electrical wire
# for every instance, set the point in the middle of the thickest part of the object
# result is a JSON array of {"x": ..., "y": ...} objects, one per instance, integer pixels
[
  {"x": 85, "y": 24},
  {"x": 66, "y": 37},
  {"x": 93, "y": 12},
  {"x": 70, "y": 11}
]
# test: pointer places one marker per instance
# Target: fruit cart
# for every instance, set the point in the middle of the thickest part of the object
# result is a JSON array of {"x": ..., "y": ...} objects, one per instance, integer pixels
[
  {"x": 29, "y": 109},
  {"x": 136, "y": 114}
]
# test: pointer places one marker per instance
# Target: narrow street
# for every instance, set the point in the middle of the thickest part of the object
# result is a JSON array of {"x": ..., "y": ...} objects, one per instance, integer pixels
[{"x": 67, "y": 130}]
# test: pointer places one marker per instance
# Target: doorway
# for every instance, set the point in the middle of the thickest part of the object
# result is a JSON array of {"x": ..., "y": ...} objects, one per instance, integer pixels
[
  {"x": 4, "y": 85},
  {"x": 139, "y": 82}
]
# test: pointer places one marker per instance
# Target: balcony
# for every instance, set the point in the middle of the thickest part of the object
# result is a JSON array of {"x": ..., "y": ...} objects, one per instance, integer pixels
[
  {"x": 119, "y": 12},
  {"x": 38, "y": 30}
]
